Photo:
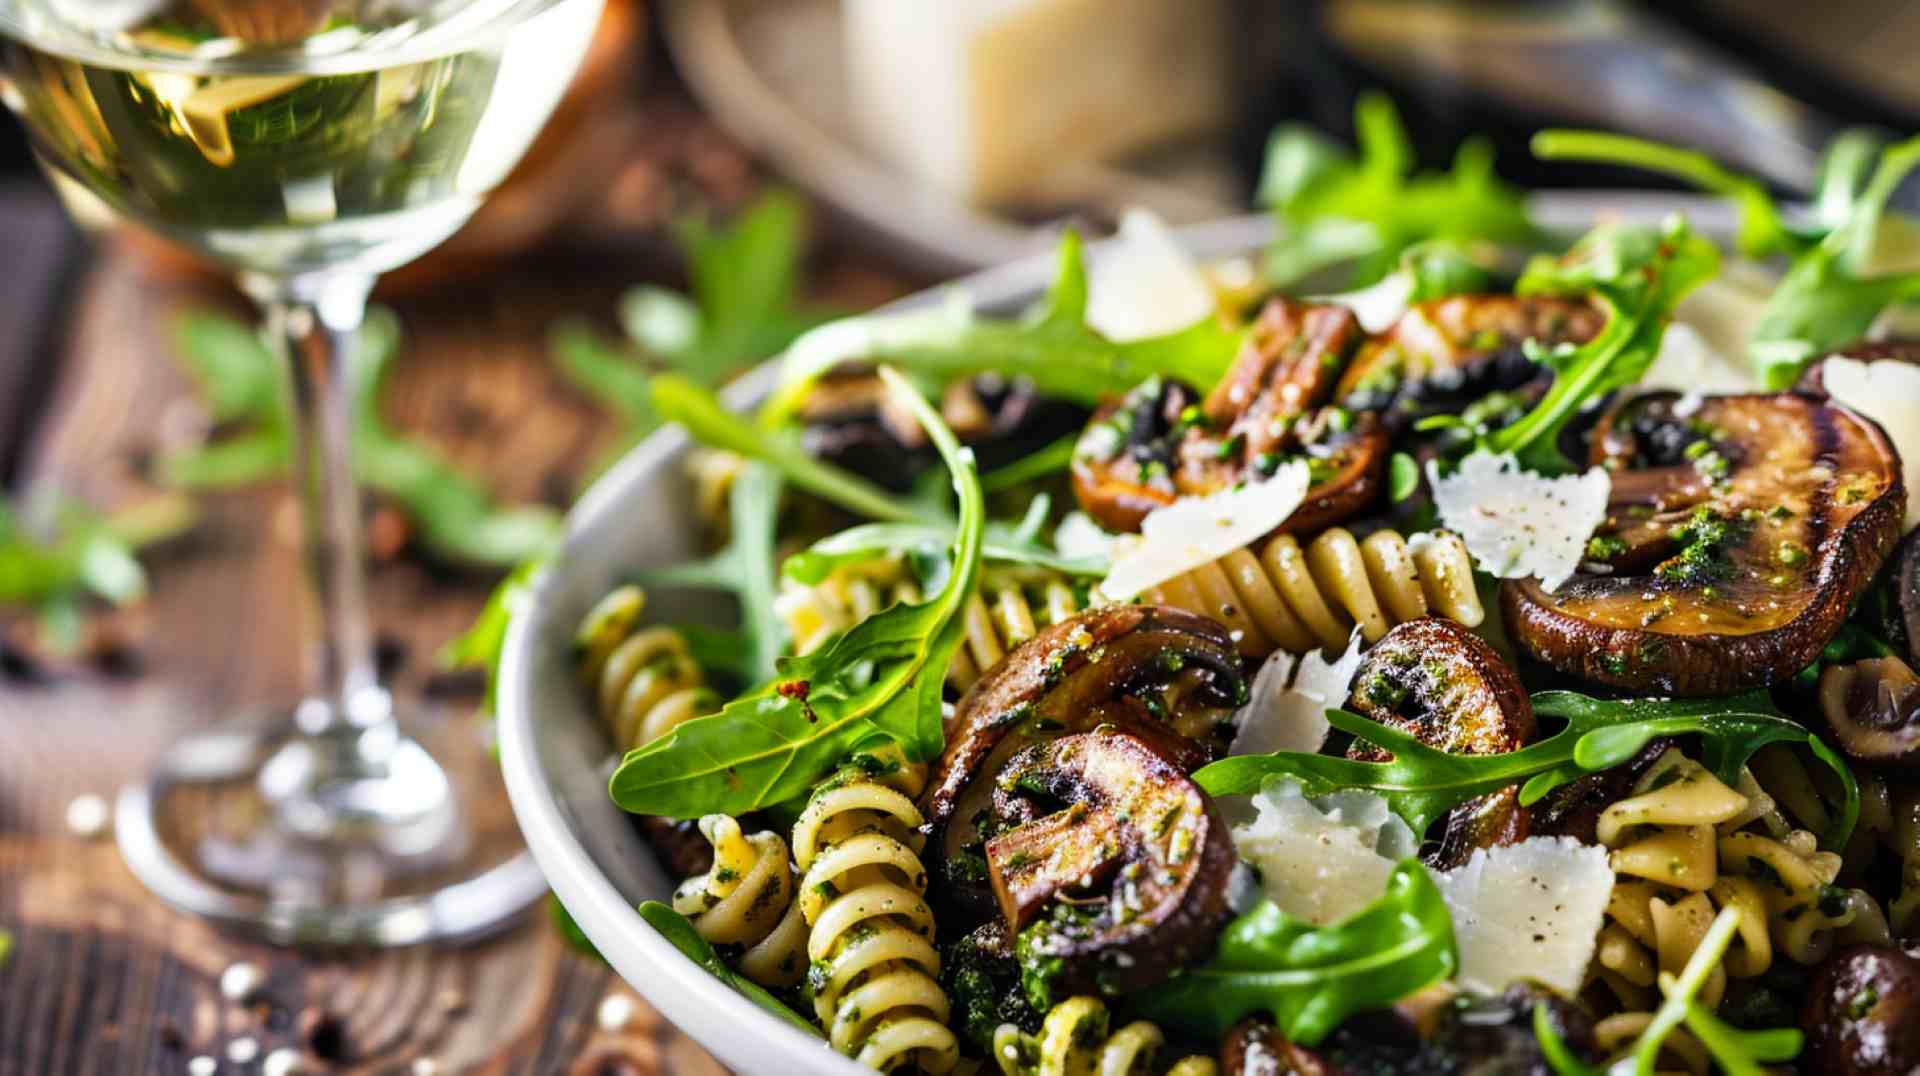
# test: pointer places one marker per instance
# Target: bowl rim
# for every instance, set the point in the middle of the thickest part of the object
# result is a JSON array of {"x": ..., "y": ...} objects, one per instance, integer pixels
[{"x": 682, "y": 990}]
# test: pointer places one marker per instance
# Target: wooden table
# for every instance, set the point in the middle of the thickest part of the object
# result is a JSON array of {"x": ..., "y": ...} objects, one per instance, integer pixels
[{"x": 105, "y": 980}]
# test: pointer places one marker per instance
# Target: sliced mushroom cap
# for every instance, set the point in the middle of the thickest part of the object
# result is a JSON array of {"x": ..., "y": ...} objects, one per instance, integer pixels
[
  {"x": 1445, "y": 354},
  {"x": 1739, "y": 533},
  {"x": 1873, "y": 708},
  {"x": 851, "y": 419},
  {"x": 1906, "y": 589},
  {"x": 1117, "y": 862},
  {"x": 1446, "y": 687},
  {"x": 1168, "y": 678},
  {"x": 1863, "y": 1014}
]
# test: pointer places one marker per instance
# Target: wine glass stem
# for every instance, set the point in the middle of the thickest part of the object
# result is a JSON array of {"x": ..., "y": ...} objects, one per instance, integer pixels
[{"x": 314, "y": 321}]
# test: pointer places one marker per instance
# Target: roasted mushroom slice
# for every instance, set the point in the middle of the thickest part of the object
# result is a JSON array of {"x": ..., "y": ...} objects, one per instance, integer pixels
[
  {"x": 1169, "y": 678},
  {"x": 1160, "y": 442},
  {"x": 1863, "y": 1014},
  {"x": 1447, "y": 354},
  {"x": 1738, "y": 535},
  {"x": 1445, "y": 686},
  {"x": 1906, "y": 590},
  {"x": 1452, "y": 1034},
  {"x": 851, "y": 420},
  {"x": 1873, "y": 708},
  {"x": 1113, "y": 870}
]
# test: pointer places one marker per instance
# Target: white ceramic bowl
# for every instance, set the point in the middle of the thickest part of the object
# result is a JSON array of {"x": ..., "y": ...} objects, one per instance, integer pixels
[{"x": 555, "y": 754}]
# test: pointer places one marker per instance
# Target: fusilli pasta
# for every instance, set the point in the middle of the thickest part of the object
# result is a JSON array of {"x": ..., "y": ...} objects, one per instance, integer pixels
[
  {"x": 874, "y": 976},
  {"x": 644, "y": 681},
  {"x": 1075, "y": 1038},
  {"x": 746, "y": 899},
  {"x": 1681, "y": 858},
  {"x": 1011, "y": 605},
  {"x": 1294, "y": 599}
]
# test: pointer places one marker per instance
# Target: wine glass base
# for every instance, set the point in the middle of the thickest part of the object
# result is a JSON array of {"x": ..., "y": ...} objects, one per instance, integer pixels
[{"x": 261, "y": 830}]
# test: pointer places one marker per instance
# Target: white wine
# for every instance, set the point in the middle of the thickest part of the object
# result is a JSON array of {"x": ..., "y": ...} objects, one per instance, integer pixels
[{"x": 284, "y": 137}]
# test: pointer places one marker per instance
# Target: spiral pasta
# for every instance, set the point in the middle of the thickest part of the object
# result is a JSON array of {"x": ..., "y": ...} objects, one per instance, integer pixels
[
  {"x": 1682, "y": 856},
  {"x": 1294, "y": 599},
  {"x": 746, "y": 899},
  {"x": 1010, "y": 607},
  {"x": 875, "y": 972},
  {"x": 644, "y": 681},
  {"x": 1075, "y": 1038}
]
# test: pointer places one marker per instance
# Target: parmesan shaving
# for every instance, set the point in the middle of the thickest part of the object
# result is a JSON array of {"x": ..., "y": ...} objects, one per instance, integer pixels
[
  {"x": 1528, "y": 911},
  {"x": 1287, "y": 707},
  {"x": 1144, "y": 284},
  {"x": 1322, "y": 859},
  {"x": 1193, "y": 531},
  {"x": 1887, "y": 392},
  {"x": 1517, "y": 523}
]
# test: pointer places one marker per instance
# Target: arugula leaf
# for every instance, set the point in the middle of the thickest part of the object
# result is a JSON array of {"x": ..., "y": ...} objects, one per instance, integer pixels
[
  {"x": 744, "y": 283},
  {"x": 744, "y": 567},
  {"x": 708, "y": 421},
  {"x": 84, "y": 552},
  {"x": 1334, "y": 208},
  {"x": 1308, "y": 978},
  {"x": 677, "y": 929},
  {"x": 871, "y": 541},
  {"x": 1638, "y": 276},
  {"x": 1057, "y": 351},
  {"x": 1051, "y": 459},
  {"x": 1421, "y": 783},
  {"x": 457, "y": 517},
  {"x": 480, "y": 645},
  {"x": 879, "y": 681},
  {"x": 1830, "y": 295}
]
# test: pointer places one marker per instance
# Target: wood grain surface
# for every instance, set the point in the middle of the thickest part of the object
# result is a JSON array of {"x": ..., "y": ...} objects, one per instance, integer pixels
[{"x": 102, "y": 978}]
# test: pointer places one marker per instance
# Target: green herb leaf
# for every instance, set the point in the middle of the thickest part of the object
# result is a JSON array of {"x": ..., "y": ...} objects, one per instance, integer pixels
[
  {"x": 1308, "y": 978},
  {"x": 51, "y": 570},
  {"x": 872, "y": 541},
  {"x": 678, "y": 930},
  {"x": 882, "y": 679},
  {"x": 1830, "y": 294},
  {"x": 1421, "y": 783},
  {"x": 1333, "y": 207},
  {"x": 708, "y": 421},
  {"x": 1050, "y": 460},
  {"x": 1403, "y": 477},
  {"x": 457, "y": 517},
  {"x": 1638, "y": 275},
  {"x": 480, "y": 645},
  {"x": 1058, "y": 351},
  {"x": 744, "y": 567}
]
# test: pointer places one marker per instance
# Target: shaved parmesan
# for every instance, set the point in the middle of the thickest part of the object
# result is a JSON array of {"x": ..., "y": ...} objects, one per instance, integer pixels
[
  {"x": 1687, "y": 363},
  {"x": 1287, "y": 710},
  {"x": 1378, "y": 306},
  {"x": 1528, "y": 911},
  {"x": 1323, "y": 859},
  {"x": 1517, "y": 523},
  {"x": 1144, "y": 284},
  {"x": 1887, "y": 392},
  {"x": 1193, "y": 531},
  {"x": 1079, "y": 536}
]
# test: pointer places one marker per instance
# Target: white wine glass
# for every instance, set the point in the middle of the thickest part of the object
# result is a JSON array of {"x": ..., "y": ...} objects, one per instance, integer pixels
[{"x": 308, "y": 146}]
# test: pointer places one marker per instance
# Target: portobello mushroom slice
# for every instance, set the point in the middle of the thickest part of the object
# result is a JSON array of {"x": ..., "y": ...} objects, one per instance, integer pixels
[
  {"x": 1445, "y": 355},
  {"x": 1112, "y": 868},
  {"x": 1738, "y": 535},
  {"x": 1166, "y": 677},
  {"x": 1445, "y": 686},
  {"x": 1863, "y": 1014},
  {"x": 1873, "y": 708},
  {"x": 1161, "y": 442}
]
